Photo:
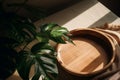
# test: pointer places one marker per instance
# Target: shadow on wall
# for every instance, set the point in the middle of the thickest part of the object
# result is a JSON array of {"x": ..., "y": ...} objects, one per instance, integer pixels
[
  {"x": 113, "y": 5},
  {"x": 105, "y": 19},
  {"x": 46, "y": 7}
]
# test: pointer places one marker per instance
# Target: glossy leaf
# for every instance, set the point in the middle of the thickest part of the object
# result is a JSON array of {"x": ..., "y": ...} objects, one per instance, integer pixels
[
  {"x": 25, "y": 61},
  {"x": 46, "y": 28},
  {"x": 45, "y": 69},
  {"x": 56, "y": 33},
  {"x": 39, "y": 47},
  {"x": 45, "y": 62}
]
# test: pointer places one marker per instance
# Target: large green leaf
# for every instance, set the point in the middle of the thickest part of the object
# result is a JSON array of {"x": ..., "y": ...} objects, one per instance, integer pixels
[
  {"x": 42, "y": 46},
  {"x": 25, "y": 61},
  {"x": 44, "y": 61},
  {"x": 46, "y": 28},
  {"x": 46, "y": 67},
  {"x": 56, "y": 33}
]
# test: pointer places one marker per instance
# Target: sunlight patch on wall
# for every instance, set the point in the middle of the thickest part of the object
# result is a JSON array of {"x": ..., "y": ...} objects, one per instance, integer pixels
[{"x": 88, "y": 17}]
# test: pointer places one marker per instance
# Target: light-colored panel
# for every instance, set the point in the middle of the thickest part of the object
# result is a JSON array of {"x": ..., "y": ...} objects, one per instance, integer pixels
[{"x": 86, "y": 13}]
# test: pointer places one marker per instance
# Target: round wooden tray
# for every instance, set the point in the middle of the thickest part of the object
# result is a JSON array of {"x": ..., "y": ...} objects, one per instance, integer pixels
[{"x": 92, "y": 53}]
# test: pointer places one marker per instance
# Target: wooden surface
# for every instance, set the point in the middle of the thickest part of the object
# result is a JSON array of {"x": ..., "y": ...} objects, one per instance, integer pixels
[
  {"x": 88, "y": 55},
  {"x": 84, "y": 57},
  {"x": 86, "y": 13}
]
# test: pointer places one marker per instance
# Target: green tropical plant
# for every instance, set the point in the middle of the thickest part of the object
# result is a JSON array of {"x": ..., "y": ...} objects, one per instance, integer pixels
[
  {"x": 42, "y": 54},
  {"x": 23, "y": 45},
  {"x": 31, "y": 45}
]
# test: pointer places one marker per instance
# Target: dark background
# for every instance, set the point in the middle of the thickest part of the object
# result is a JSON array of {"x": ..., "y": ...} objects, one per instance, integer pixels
[{"x": 113, "y": 5}]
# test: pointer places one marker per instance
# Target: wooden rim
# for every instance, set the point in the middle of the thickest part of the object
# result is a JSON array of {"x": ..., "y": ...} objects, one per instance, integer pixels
[{"x": 73, "y": 32}]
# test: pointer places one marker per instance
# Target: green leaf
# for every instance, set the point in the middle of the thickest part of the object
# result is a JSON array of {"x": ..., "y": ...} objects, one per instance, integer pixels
[
  {"x": 68, "y": 39},
  {"x": 18, "y": 28},
  {"x": 46, "y": 69},
  {"x": 37, "y": 72},
  {"x": 41, "y": 38},
  {"x": 60, "y": 35},
  {"x": 58, "y": 31},
  {"x": 58, "y": 39},
  {"x": 46, "y": 28},
  {"x": 25, "y": 62},
  {"x": 30, "y": 28},
  {"x": 41, "y": 47},
  {"x": 55, "y": 32},
  {"x": 44, "y": 65}
]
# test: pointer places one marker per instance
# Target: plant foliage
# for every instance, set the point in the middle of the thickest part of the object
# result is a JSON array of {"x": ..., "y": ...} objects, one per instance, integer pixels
[
  {"x": 41, "y": 54},
  {"x": 33, "y": 47}
]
